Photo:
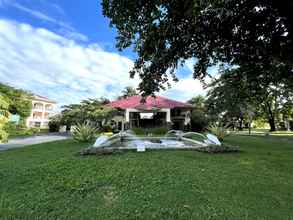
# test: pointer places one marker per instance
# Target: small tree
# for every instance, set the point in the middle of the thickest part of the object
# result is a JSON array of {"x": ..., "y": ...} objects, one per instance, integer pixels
[{"x": 199, "y": 118}]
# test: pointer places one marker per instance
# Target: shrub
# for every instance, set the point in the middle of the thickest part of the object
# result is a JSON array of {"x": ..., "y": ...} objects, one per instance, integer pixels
[
  {"x": 34, "y": 130},
  {"x": 154, "y": 131},
  {"x": 199, "y": 120},
  {"x": 3, "y": 133},
  {"x": 3, "y": 136},
  {"x": 55, "y": 123},
  {"x": 20, "y": 130},
  {"x": 54, "y": 126},
  {"x": 96, "y": 151},
  {"x": 219, "y": 131},
  {"x": 84, "y": 132},
  {"x": 224, "y": 148},
  {"x": 106, "y": 128}
]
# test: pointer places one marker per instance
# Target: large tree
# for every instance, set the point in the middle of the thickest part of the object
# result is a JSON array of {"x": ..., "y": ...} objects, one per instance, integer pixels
[
  {"x": 20, "y": 101},
  {"x": 236, "y": 95},
  {"x": 165, "y": 33}
]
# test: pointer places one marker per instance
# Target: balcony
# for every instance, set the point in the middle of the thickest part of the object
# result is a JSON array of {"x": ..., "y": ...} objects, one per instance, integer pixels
[
  {"x": 48, "y": 107},
  {"x": 38, "y": 107}
]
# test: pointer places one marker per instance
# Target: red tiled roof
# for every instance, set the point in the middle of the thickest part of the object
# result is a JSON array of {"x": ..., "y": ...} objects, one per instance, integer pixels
[{"x": 151, "y": 103}]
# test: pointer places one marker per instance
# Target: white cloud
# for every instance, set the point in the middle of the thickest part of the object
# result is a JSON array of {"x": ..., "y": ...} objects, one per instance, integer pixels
[
  {"x": 51, "y": 65},
  {"x": 185, "y": 89},
  {"x": 40, "y": 15},
  {"x": 62, "y": 69},
  {"x": 63, "y": 28}
]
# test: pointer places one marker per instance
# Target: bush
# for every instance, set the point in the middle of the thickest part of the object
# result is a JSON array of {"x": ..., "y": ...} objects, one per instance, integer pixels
[
  {"x": 154, "y": 131},
  {"x": 3, "y": 133},
  {"x": 224, "y": 148},
  {"x": 199, "y": 121},
  {"x": 84, "y": 132},
  {"x": 54, "y": 126},
  {"x": 3, "y": 136},
  {"x": 34, "y": 130},
  {"x": 219, "y": 131},
  {"x": 19, "y": 130},
  {"x": 55, "y": 123},
  {"x": 106, "y": 128}
]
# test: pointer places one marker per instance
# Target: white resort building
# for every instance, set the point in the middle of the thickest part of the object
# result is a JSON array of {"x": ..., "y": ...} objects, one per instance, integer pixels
[{"x": 42, "y": 110}]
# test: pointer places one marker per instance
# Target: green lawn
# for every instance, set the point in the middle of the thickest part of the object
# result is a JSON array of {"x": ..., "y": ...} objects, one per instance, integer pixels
[{"x": 49, "y": 182}]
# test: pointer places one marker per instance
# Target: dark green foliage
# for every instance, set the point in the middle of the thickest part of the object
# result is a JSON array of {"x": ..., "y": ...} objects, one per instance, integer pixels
[
  {"x": 93, "y": 110},
  {"x": 199, "y": 120},
  {"x": 166, "y": 33},
  {"x": 19, "y": 100},
  {"x": 55, "y": 123},
  {"x": 238, "y": 96},
  {"x": 217, "y": 149},
  {"x": 20, "y": 130},
  {"x": 48, "y": 181},
  {"x": 106, "y": 128},
  {"x": 199, "y": 117},
  {"x": 160, "y": 131}
]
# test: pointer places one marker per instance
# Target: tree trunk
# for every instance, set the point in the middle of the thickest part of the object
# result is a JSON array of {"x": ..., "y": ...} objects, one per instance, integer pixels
[
  {"x": 241, "y": 124},
  {"x": 272, "y": 124},
  {"x": 271, "y": 118}
]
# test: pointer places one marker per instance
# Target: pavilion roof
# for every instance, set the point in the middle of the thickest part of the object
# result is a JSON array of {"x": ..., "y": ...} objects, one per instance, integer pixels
[{"x": 151, "y": 103}]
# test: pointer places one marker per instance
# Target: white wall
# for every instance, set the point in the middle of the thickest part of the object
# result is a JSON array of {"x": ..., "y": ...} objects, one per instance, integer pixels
[{"x": 31, "y": 121}]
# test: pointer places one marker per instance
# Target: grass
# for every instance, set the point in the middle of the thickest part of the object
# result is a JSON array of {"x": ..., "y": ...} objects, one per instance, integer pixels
[{"x": 48, "y": 181}]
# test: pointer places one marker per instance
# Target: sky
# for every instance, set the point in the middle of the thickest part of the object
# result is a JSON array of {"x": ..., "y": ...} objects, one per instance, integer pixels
[{"x": 65, "y": 50}]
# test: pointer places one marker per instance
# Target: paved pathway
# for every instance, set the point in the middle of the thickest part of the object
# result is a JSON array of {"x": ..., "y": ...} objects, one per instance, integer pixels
[{"x": 38, "y": 139}]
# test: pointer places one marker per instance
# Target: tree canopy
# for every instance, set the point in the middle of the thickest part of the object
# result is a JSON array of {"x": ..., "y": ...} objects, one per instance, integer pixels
[
  {"x": 199, "y": 118},
  {"x": 19, "y": 101},
  {"x": 233, "y": 95},
  {"x": 93, "y": 110},
  {"x": 4, "y": 115},
  {"x": 243, "y": 33},
  {"x": 128, "y": 92}
]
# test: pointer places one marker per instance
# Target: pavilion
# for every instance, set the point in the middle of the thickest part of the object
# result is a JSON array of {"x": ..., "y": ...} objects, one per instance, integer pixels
[{"x": 154, "y": 112}]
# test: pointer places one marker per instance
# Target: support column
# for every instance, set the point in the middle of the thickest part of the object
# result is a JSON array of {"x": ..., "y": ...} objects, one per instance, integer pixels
[
  {"x": 127, "y": 115},
  {"x": 168, "y": 115}
]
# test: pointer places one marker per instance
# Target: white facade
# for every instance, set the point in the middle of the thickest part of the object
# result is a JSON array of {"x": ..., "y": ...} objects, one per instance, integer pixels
[{"x": 42, "y": 110}]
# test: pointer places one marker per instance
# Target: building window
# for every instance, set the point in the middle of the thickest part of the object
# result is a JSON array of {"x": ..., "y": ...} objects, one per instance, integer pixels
[
  {"x": 38, "y": 106},
  {"x": 37, "y": 124}
]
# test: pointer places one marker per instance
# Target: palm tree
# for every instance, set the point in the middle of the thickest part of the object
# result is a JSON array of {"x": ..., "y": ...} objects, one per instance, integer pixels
[{"x": 127, "y": 92}]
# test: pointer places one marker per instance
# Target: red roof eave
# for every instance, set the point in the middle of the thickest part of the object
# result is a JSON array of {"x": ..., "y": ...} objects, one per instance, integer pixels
[{"x": 150, "y": 103}]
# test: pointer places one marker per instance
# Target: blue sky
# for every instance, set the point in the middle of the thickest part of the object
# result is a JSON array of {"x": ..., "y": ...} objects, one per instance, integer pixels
[{"x": 65, "y": 50}]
